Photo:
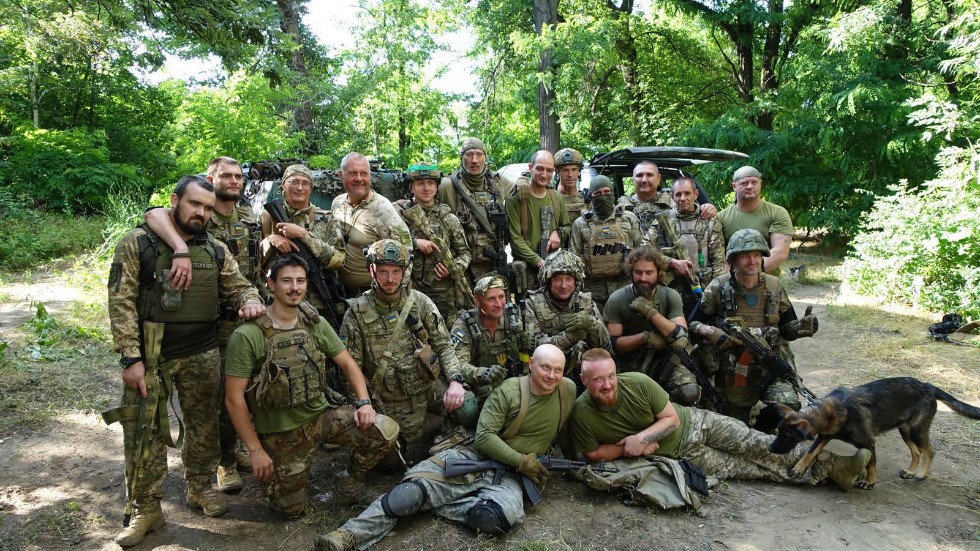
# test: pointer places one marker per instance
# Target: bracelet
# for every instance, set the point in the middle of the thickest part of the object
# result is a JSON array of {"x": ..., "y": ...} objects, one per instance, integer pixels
[
  {"x": 362, "y": 403},
  {"x": 180, "y": 255}
]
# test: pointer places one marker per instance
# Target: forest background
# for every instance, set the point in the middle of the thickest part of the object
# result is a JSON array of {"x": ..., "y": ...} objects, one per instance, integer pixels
[{"x": 862, "y": 114}]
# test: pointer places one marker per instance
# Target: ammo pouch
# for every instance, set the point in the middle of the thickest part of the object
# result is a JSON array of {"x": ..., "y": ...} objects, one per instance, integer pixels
[
  {"x": 272, "y": 387},
  {"x": 650, "y": 480},
  {"x": 293, "y": 370},
  {"x": 428, "y": 362}
]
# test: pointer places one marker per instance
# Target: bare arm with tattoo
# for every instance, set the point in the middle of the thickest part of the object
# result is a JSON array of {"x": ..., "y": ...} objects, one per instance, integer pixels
[{"x": 645, "y": 442}]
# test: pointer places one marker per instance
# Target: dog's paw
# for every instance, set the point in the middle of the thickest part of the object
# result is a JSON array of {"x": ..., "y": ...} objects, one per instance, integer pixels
[
  {"x": 794, "y": 472},
  {"x": 906, "y": 474},
  {"x": 864, "y": 485}
]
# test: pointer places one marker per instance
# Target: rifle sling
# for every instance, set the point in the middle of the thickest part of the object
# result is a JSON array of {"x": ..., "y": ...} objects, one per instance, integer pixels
[
  {"x": 131, "y": 413},
  {"x": 379, "y": 374},
  {"x": 479, "y": 213}
]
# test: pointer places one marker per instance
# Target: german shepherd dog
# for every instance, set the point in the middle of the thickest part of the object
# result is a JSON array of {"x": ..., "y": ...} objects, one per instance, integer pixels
[{"x": 856, "y": 415}]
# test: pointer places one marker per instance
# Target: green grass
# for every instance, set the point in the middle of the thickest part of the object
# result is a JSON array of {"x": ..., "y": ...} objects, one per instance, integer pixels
[{"x": 30, "y": 239}]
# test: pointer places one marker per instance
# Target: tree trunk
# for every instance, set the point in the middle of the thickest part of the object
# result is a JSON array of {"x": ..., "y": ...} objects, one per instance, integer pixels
[
  {"x": 546, "y": 13},
  {"x": 626, "y": 48},
  {"x": 303, "y": 112},
  {"x": 770, "y": 54}
]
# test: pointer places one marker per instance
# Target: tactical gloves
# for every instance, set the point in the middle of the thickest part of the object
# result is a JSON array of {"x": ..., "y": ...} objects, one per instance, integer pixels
[
  {"x": 655, "y": 341},
  {"x": 809, "y": 324},
  {"x": 492, "y": 376},
  {"x": 716, "y": 337},
  {"x": 533, "y": 469},
  {"x": 643, "y": 306}
]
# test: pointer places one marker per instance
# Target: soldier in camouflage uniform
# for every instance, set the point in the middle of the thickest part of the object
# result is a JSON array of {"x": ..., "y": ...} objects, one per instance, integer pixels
[
  {"x": 761, "y": 305},
  {"x": 476, "y": 196},
  {"x": 602, "y": 237},
  {"x": 630, "y": 415},
  {"x": 701, "y": 238},
  {"x": 399, "y": 339},
  {"x": 139, "y": 292},
  {"x": 235, "y": 225},
  {"x": 649, "y": 200},
  {"x": 561, "y": 313},
  {"x": 506, "y": 433},
  {"x": 422, "y": 214},
  {"x": 646, "y": 325},
  {"x": 365, "y": 217},
  {"x": 490, "y": 340},
  {"x": 316, "y": 228},
  {"x": 279, "y": 402},
  {"x": 568, "y": 166}
]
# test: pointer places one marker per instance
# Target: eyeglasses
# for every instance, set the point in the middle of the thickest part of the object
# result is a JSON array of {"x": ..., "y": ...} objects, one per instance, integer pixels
[{"x": 298, "y": 182}]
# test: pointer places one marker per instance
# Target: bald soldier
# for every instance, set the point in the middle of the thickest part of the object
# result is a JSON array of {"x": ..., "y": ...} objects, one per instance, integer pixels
[
  {"x": 533, "y": 210},
  {"x": 751, "y": 211}
]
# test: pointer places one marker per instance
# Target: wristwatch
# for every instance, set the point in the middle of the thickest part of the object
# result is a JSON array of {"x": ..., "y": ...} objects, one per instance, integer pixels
[
  {"x": 126, "y": 362},
  {"x": 361, "y": 403},
  {"x": 457, "y": 378}
]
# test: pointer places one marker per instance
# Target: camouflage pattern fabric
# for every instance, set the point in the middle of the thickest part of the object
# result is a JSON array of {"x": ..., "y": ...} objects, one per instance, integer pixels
[
  {"x": 446, "y": 499},
  {"x": 443, "y": 223},
  {"x": 626, "y": 228},
  {"x": 242, "y": 234},
  {"x": 489, "y": 191},
  {"x": 196, "y": 379},
  {"x": 373, "y": 219},
  {"x": 292, "y": 453},
  {"x": 646, "y": 211},
  {"x": 545, "y": 321},
  {"x": 574, "y": 205}
]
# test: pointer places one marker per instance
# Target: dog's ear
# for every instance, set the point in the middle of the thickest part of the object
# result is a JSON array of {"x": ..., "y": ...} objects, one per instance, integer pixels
[{"x": 783, "y": 409}]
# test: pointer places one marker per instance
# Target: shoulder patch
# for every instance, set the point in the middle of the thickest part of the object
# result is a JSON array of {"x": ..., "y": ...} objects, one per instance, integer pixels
[{"x": 457, "y": 336}]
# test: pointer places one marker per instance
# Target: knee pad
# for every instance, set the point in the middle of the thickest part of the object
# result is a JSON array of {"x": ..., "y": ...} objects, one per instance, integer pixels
[
  {"x": 687, "y": 394},
  {"x": 404, "y": 499},
  {"x": 487, "y": 517},
  {"x": 387, "y": 427}
]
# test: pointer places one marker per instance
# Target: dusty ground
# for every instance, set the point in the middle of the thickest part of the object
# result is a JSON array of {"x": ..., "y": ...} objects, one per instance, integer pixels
[{"x": 61, "y": 483}]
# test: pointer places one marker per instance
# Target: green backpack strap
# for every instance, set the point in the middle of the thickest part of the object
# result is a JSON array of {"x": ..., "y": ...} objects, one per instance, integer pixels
[{"x": 524, "y": 381}]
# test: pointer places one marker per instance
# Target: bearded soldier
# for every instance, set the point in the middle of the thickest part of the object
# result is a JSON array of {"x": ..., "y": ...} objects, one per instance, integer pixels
[
  {"x": 761, "y": 305},
  {"x": 646, "y": 323},
  {"x": 399, "y": 339},
  {"x": 169, "y": 337},
  {"x": 437, "y": 273},
  {"x": 490, "y": 340},
  {"x": 560, "y": 313},
  {"x": 602, "y": 237},
  {"x": 476, "y": 196},
  {"x": 568, "y": 166},
  {"x": 279, "y": 402}
]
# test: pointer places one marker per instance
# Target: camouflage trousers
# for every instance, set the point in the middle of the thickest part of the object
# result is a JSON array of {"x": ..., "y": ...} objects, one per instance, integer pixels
[
  {"x": 292, "y": 454},
  {"x": 419, "y": 418},
  {"x": 726, "y": 448},
  {"x": 443, "y": 295},
  {"x": 449, "y": 500},
  {"x": 741, "y": 398},
  {"x": 197, "y": 381},
  {"x": 667, "y": 370}
]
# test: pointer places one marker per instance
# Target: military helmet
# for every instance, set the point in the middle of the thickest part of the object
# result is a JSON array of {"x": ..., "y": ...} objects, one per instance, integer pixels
[
  {"x": 561, "y": 262},
  {"x": 493, "y": 281},
  {"x": 747, "y": 241},
  {"x": 567, "y": 156},
  {"x": 388, "y": 251},
  {"x": 424, "y": 172}
]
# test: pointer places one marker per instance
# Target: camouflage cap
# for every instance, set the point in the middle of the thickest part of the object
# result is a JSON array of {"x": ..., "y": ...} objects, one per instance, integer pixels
[
  {"x": 388, "y": 251},
  {"x": 746, "y": 172},
  {"x": 561, "y": 261},
  {"x": 598, "y": 182},
  {"x": 493, "y": 281},
  {"x": 567, "y": 156},
  {"x": 297, "y": 169},
  {"x": 424, "y": 172},
  {"x": 472, "y": 143},
  {"x": 746, "y": 241}
]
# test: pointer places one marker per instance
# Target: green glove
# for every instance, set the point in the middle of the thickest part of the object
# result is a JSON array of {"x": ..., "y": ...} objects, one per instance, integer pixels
[
  {"x": 533, "y": 469},
  {"x": 643, "y": 306},
  {"x": 808, "y": 325},
  {"x": 715, "y": 336},
  {"x": 492, "y": 376},
  {"x": 655, "y": 340}
]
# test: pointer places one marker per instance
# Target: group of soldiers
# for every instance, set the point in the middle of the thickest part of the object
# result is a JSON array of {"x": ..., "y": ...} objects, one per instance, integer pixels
[{"x": 437, "y": 351}]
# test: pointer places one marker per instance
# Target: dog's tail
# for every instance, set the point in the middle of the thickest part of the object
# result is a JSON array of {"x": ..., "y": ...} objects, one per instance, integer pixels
[{"x": 962, "y": 408}]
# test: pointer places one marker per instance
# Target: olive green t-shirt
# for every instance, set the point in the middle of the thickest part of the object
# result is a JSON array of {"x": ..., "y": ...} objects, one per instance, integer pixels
[
  {"x": 245, "y": 354},
  {"x": 537, "y": 432},
  {"x": 640, "y": 399},
  {"x": 767, "y": 219},
  {"x": 617, "y": 310},
  {"x": 524, "y": 246}
]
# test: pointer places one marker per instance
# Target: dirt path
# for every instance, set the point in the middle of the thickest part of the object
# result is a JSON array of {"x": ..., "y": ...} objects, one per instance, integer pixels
[{"x": 62, "y": 487}]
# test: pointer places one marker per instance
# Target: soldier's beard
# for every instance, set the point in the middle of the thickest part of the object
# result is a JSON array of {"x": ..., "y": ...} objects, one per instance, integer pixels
[
  {"x": 644, "y": 289},
  {"x": 225, "y": 195},
  {"x": 607, "y": 400}
]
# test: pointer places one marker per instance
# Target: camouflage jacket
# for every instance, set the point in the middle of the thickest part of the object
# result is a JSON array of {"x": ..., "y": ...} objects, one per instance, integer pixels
[{"x": 646, "y": 211}]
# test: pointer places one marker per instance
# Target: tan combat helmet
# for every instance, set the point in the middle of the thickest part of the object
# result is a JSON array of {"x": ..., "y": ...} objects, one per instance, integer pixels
[
  {"x": 562, "y": 262},
  {"x": 388, "y": 251},
  {"x": 568, "y": 156}
]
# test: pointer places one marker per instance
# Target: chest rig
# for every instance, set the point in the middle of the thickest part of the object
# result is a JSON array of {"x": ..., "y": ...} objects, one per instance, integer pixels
[
  {"x": 160, "y": 302},
  {"x": 693, "y": 234},
  {"x": 509, "y": 352},
  {"x": 242, "y": 237},
  {"x": 293, "y": 371},
  {"x": 646, "y": 211},
  {"x": 552, "y": 320},
  {"x": 488, "y": 197},
  {"x": 757, "y": 307},
  {"x": 603, "y": 255}
]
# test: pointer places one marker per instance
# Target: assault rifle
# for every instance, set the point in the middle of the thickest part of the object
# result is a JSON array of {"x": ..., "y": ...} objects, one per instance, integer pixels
[
  {"x": 547, "y": 221},
  {"x": 498, "y": 254},
  {"x": 753, "y": 352},
  {"x": 418, "y": 218},
  {"x": 458, "y": 466},
  {"x": 326, "y": 285},
  {"x": 680, "y": 251}
]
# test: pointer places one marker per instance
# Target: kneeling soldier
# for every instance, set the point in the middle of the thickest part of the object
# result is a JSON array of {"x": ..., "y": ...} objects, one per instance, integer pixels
[{"x": 277, "y": 399}]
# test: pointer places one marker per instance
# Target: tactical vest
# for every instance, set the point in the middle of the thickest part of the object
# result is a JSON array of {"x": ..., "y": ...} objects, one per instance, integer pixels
[
  {"x": 294, "y": 370},
  {"x": 693, "y": 234},
  {"x": 490, "y": 199},
  {"x": 758, "y": 307},
  {"x": 646, "y": 211},
  {"x": 158, "y": 301},
  {"x": 397, "y": 355},
  {"x": 242, "y": 237},
  {"x": 509, "y": 352},
  {"x": 574, "y": 205},
  {"x": 603, "y": 255},
  {"x": 551, "y": 320},
  {"x": 423, "y": 264}
]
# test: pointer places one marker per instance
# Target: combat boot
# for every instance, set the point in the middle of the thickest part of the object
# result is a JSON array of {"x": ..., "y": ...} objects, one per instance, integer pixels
[
  {"x": 243, "y": 459},
  {"x": 844, "y": 470},
  {"x": 338, "y": 540},
  {"x": 211, "y": 502},
  {"x": 228, "y": 478},
  {"x": 146, "y": 520}
]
